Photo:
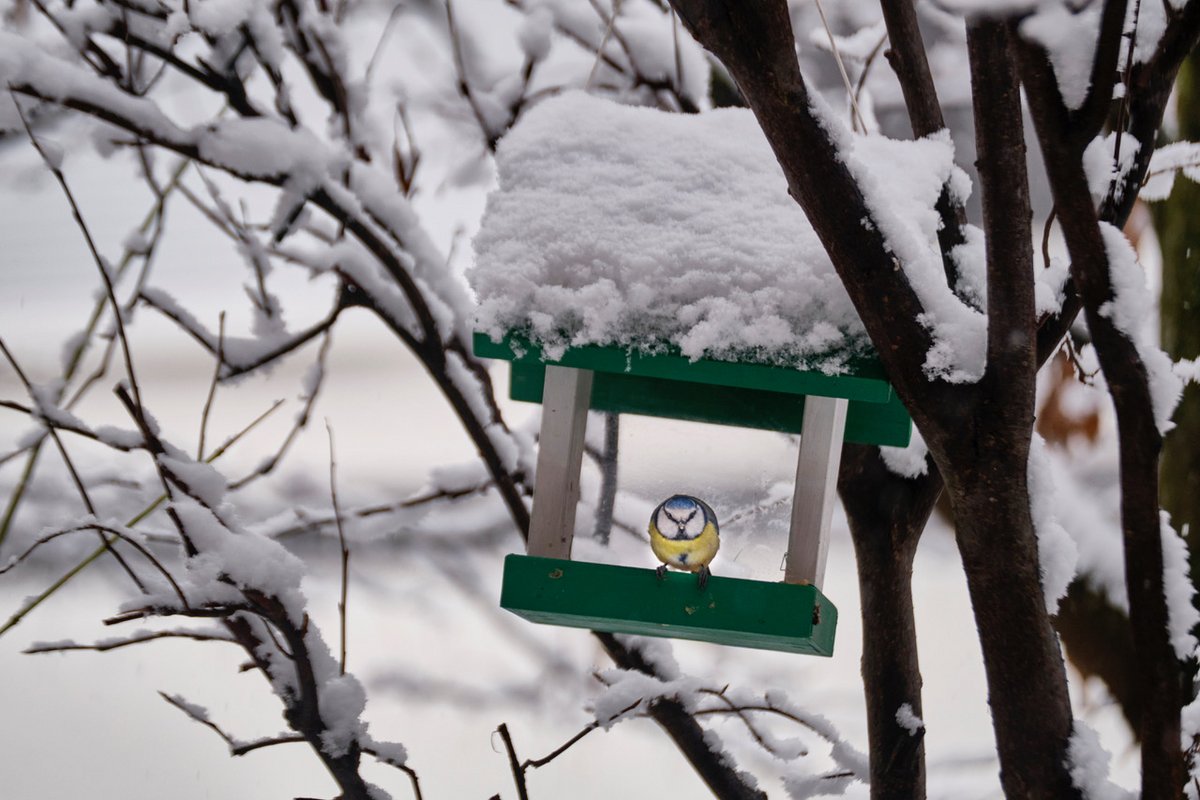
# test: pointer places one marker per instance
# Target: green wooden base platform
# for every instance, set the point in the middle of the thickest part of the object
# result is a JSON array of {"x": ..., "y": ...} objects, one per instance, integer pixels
[
  {"x": 747, "y": 395},
  {"x": 730, "y": 611}
]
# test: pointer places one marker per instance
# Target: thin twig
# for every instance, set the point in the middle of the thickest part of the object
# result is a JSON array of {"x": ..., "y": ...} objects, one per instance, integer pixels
[
  {"x": 464, "y": 86},
  {"x": 391, "y": 762},
  {"x": 345, "y": 551},
  {"x": 676, "y": 53},
  {"x": 866, "y": 69},
  {"x": 534, "y": 763},
  {"x": 517, "y": 771},
  {"x": 404, "y": 166},
  {"x": 758, "y": 736},
  {"x": 301, "y": 421},
  {"x": 609, "y": 24},
  {"x": 837, "y": 57},
  {"x": 70, "y": 465},
  {"x": 393, "y": 15},
  {"x": 236, "y": 747},
  {"x": 212, "y": 387},
  {"x": 35, "y": 601},
  {"x": 116, "y": 644},
  {"x": 1046, "y": 236},
  {"x": 112, "y": 532},
  {"x": 57, "y": 172},
  {"x": 1123, "y": 112},
  {"x": 209, "y": 342},
  {"x": 65, "y": 424}
]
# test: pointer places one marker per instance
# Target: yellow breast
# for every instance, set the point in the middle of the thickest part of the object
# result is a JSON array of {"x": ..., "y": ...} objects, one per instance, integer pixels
[{"x": 685, "y": 554}]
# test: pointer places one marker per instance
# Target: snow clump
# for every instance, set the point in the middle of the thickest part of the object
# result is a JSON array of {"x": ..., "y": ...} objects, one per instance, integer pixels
[{"x": 617, "y": 225}]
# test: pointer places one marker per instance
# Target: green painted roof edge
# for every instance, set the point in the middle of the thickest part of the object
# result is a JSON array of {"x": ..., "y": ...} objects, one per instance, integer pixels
[{"x": 866, "y": 383}]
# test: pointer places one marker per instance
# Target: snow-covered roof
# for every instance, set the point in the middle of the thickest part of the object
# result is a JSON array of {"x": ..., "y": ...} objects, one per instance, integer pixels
[{"x": 630, "y": 226}]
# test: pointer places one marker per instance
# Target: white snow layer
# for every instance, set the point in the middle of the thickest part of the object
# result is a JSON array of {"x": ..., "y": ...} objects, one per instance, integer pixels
[
  {"x": 1187, "y": 370},
  {"x": 1131, "y": 306},
  {"x": 629, "y": 226},
  {"x": 1165, "y": 164},
  {"x": 907, "y": 462},
  {"x": 1182, "y": 615},
  {"x": 908, "y": 719},
  {"x": 1069, "y": 36},
  {"x": 1058, "y": 554},
  {"x": 1088, "y": 763}
]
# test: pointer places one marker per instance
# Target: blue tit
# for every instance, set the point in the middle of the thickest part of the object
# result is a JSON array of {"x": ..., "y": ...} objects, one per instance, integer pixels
[{"x": 684, "y": 535}]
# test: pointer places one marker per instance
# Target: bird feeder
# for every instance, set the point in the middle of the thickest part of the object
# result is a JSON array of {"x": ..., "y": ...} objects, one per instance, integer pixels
[
  {"x": 792, "y": 615},
  {"x": 610, "y": 223}
]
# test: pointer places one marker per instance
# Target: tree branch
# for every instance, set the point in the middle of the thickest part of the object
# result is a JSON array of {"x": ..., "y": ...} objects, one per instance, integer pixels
[
  {"x": 1140, "y": 441},
  {"x": 1000, "y": 142},
  {"x": 754, "y": 42},
  {"x": 906, "y": 54}
]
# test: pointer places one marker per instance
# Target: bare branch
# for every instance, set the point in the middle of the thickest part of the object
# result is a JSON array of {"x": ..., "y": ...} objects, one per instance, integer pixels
[
  {"x": 1140, "y": 440},
  {"x": 236, "y": 747},
  {"x": 116, "y": 644},
  {"x": 56, "y": 171},
  {"x": 299, "y": 423},
  {"x": 391, "y": 762},
  {"x": 213, "y": 343},
  {"x": 49, "y": 591},
  {"x": 490, "y": 137},
  {"x": 1000, "y": 141},
  {"x": 345, "y": 551},
  {"x": 70, "y": 465},
  {"x": 906, "y": 54},
  {"x": 518, "y": 772},
  {"x": 113, "y": 535},
  {"x": 212, "y": 386}
]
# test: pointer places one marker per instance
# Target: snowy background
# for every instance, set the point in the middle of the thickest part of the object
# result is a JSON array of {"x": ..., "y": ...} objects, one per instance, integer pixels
[{"x": 442, "y": 664}]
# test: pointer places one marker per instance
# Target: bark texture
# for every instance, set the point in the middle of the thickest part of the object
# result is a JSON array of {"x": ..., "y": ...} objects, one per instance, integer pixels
[{"x": 886, "y": 516}]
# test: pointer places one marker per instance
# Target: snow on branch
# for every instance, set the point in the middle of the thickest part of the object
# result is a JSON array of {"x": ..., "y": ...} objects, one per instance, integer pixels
[
  {"x": 1088, "y": 763},
  {"x": 630, "y": 694},
  {"x": 1188, "y": 370},
  {"x": 1128, "y": 309},
  {"x": 1182, "y": 615},
  {"x": 1058, "y": 555},
  {"x": 1167, "y": 162},
  {"x": 250, "y": 585},
  {"x": 1069, "y": 37}
]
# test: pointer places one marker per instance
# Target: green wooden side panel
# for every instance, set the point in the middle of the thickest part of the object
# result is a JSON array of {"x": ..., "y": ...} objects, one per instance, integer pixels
[
  {"x": 729, "y": 611},
  {"x": 867, "y": 383},
  {"x": 866, "y": 423}
]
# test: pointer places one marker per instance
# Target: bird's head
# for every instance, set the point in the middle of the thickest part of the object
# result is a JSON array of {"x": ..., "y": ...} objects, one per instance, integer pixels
[{"x": 683, "y": 517}]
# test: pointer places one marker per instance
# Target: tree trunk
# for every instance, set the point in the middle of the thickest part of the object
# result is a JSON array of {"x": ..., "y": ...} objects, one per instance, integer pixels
[
  {"x": 1026, "y": 678},
  {"x": 887, "y": 515}
]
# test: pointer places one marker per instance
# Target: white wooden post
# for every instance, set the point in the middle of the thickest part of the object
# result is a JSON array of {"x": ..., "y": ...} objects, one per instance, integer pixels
[
  {"x": 816, "y": 489},
  {"x": 565, "y": 400}
]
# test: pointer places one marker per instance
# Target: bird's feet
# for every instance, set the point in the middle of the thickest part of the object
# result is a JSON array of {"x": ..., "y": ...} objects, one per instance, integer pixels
[
  {"x": 704, "y": 573},
  {"x": 661, "y": 572}
]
